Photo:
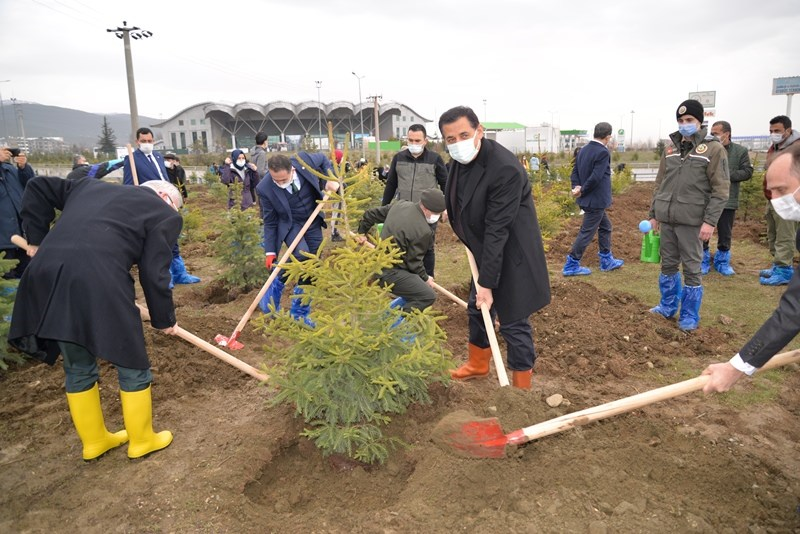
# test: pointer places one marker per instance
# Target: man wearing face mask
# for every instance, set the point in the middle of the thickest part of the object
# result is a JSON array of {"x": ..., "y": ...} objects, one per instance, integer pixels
[
  {"x": 288, "y": 195},
  {"x": 490, "y": 207},
  {"x": 150, "y": 166},
  {"x": 243, "y": 172},
  {"x": 412, "y": 171},
  {"x": 780, "y": 231},
  {"x": 176, "y": 174},
  {"x": 740, "y": 170},
  {"x": 692, "y": 187},
  {"x": 783, "y": 182},
  {"x": 410, "y": 225}
]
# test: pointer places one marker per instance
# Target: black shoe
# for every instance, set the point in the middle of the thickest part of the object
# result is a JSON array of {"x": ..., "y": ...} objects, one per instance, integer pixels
[{"x": 336, "y": 237}]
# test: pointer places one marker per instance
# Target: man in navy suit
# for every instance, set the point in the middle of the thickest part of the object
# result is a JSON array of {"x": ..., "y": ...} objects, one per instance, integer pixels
[
  {"x": 591, "y": 185},
  {"x": 150, "y": 166},
  {"x": 288, "y": 195}
]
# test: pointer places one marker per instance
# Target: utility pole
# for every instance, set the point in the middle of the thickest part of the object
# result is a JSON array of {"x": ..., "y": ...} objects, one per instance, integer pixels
[
  {"x": 125, "y": 33},
  {"x": 319, "y": 112},
  {"x": 375, "y": 99},
  {"x": 361, "y": 117},
  {"x": 23, "y": 142},
  {"x": 2, "y": 107}
]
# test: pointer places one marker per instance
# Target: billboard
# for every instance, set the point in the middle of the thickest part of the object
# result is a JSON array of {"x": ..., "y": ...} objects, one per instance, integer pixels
[
  {"x": 707, "y": 98},
  {"x": 786, "y": 86}
]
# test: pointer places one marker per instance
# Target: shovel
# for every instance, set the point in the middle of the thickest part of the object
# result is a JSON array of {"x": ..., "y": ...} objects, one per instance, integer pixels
[
  {"x": 211, "y": 349},
  {"x": 499, "y": 365},
  {"x": 232, "y": 342},
  {"x": 133, "y": 164},
  {"x": 484, "y": 438}
]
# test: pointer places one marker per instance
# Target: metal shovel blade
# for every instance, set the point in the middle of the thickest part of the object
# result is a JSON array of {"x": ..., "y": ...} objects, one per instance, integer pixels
[
  {"x": 231, "y": 343},
  {"x": 467, "y": 436}
]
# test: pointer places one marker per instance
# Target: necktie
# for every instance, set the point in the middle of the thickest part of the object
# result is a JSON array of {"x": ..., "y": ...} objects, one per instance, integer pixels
[
  {"x": 153, "y": 161},
  {"x": 295, "y": 189}
]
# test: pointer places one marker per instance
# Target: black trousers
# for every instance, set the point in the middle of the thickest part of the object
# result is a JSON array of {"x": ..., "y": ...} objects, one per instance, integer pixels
[
  {"x": 594, "y": 220},
  {"x": 517, "y": 334},
  {"x": 16, "y": 254},
  {"x": 724, "y": 230}
]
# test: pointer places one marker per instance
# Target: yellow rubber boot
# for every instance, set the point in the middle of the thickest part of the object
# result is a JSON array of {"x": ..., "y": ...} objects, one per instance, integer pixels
[
  {"x": 477, "y": 366},
  {"x": 137, "y": 411},
  {"x": 87, "y": 416}
]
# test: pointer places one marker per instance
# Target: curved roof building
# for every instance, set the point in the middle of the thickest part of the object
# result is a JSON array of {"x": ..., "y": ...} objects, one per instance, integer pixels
[{"x": 216, "y": 126}]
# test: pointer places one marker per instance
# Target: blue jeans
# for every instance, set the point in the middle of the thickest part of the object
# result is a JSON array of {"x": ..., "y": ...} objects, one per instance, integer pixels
[{"x": 80, "y": 366}]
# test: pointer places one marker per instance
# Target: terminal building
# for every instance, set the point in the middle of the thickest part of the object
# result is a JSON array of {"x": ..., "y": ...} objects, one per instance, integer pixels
[{"x": 216, "y": 127}]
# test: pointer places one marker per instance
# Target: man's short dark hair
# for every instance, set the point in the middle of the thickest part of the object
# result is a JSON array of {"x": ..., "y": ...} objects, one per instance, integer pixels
[
  {"x": 279, "y": 162},
  {"x": 602, "y": 130},
  {"x": 143, "y": 131},
  {"x": 76, "y": 159},
  {"x": 418, "y": 128},
  {"x": 452, "y": 115},
  {"x": 260, "y": 138},
  {"x": 725, "y": 125},
  {"x": 783, "y": 119}
]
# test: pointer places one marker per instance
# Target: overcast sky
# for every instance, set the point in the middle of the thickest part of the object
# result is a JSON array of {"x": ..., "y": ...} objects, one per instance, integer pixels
[{"x": 573, "y": 62}]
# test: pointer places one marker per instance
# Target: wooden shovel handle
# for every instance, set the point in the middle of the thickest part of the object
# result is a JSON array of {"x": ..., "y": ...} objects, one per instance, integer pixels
[
  {"x": 499, "y": 365},
  {"x": 628, "y": 404},
  {"x": 133, "y": 164},
  {"x": 276, "y": 270},
  {"x": 211, "y": 349}
]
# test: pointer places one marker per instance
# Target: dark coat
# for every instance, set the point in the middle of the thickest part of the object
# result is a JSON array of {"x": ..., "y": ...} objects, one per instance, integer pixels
[
  {"x": 12, "y": 185},
  {"x": 78, "y": 286},
  {"x": 145, "y": 170},
  {"x": 249, "y": 183},
  {"x": 274, "y": 206},
  {"x": 498, "y": 223},
  {"x": 592, "y": 172}
]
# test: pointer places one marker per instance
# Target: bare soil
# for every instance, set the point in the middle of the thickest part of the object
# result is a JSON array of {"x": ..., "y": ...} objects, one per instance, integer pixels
[{"x": 692, "y": 464}]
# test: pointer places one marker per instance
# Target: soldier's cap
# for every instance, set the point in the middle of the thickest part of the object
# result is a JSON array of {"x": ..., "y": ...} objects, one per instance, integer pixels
[
  {"x": 170, "y": 155},
  {"x": 433, "y": 199},
  {"x": 690, "y": 107}
]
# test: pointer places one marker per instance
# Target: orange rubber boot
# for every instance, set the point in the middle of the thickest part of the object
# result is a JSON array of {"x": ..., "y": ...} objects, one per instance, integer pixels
[
  {"x": 476, "y": 367},
  {"x": 521, "y": 379}
]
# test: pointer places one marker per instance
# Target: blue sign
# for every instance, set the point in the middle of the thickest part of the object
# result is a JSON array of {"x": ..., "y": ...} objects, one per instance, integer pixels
[{"x": 786, "y": 86}]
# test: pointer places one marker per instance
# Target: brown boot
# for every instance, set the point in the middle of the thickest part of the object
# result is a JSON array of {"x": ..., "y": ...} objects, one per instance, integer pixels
[
  {"x": 521, "y": 379},
  {"x": 476, "y": 367}
]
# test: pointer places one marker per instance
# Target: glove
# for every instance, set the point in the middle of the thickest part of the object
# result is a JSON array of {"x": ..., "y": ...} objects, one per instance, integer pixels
[{"x": 269, "y": 260}]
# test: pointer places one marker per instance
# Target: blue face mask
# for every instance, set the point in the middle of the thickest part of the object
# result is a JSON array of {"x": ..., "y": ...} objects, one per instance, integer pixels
[{"x": 688, "y": 129}]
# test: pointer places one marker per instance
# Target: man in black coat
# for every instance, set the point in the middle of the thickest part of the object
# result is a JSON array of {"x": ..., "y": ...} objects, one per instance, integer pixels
[
  {"x": 491, "y": 210},
  {"x": 782, "y": 181},
  {"x": 77, "y": 296}
]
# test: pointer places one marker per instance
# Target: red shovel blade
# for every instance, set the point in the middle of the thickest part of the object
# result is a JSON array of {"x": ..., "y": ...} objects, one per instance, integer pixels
[
  {"x": 231, "y": 342},
  {"x": 470, "y": 437}
]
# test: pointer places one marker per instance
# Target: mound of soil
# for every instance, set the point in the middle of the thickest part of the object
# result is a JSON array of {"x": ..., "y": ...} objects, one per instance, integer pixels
[{"x": 692, "y": 464}]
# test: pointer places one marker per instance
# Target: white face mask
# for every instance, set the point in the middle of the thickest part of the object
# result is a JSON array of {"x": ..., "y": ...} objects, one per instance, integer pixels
[
  {"x": 464, "y": 151},
  {"x": 416, "y": 149},
  {"x": 168, "y": 163},
  {"x": 776, "y": 138},
  {"x": 240, "y": 163},
  {"x": 434, "y": 217},
  {"x": 146, "y": 148},
  {"x": 787, "y": 206}
]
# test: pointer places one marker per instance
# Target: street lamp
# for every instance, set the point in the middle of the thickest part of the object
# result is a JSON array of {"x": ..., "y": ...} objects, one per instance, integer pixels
[
  {"x": 632, "y": 112},
  {"x": 2, "y": 107},
  {"x": 125, "y": 34},
  {"x": 319, "y": 112},
  {"x": 361, "y": 116}
]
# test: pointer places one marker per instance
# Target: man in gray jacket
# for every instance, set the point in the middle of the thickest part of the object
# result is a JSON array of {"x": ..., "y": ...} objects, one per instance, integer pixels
[
  {"x": 409, "y": 224},
  {"x": 740, "y": 170},
  {"x": 783, "y": 182},
  {"x": 258, "y": 156},
  {"x": 692, "y": 188}
]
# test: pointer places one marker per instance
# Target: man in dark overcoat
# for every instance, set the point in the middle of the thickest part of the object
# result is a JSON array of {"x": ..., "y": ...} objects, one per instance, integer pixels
[
  {"x": 77, "y": 296},
  {"x": 490, "y": 207}
]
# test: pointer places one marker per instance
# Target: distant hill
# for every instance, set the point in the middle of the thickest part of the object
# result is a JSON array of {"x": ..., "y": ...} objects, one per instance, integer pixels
[{"x": 75, "y": 126}]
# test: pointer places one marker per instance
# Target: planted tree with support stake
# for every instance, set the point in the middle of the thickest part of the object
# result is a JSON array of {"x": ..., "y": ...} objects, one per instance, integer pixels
[
  {"x": 363, "y": 361},
  {"x": 107, "y": 139}
]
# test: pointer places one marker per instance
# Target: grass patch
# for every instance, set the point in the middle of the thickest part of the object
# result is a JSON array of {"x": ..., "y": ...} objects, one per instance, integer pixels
[{"x": 763, "y": 388}]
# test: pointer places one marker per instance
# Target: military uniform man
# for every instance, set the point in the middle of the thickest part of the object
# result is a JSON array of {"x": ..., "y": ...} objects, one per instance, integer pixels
[{"x": 692, "y": 187}]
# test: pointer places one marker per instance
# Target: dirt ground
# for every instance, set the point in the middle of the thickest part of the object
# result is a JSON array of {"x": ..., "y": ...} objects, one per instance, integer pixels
[{"x": 692, "y": 464}]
